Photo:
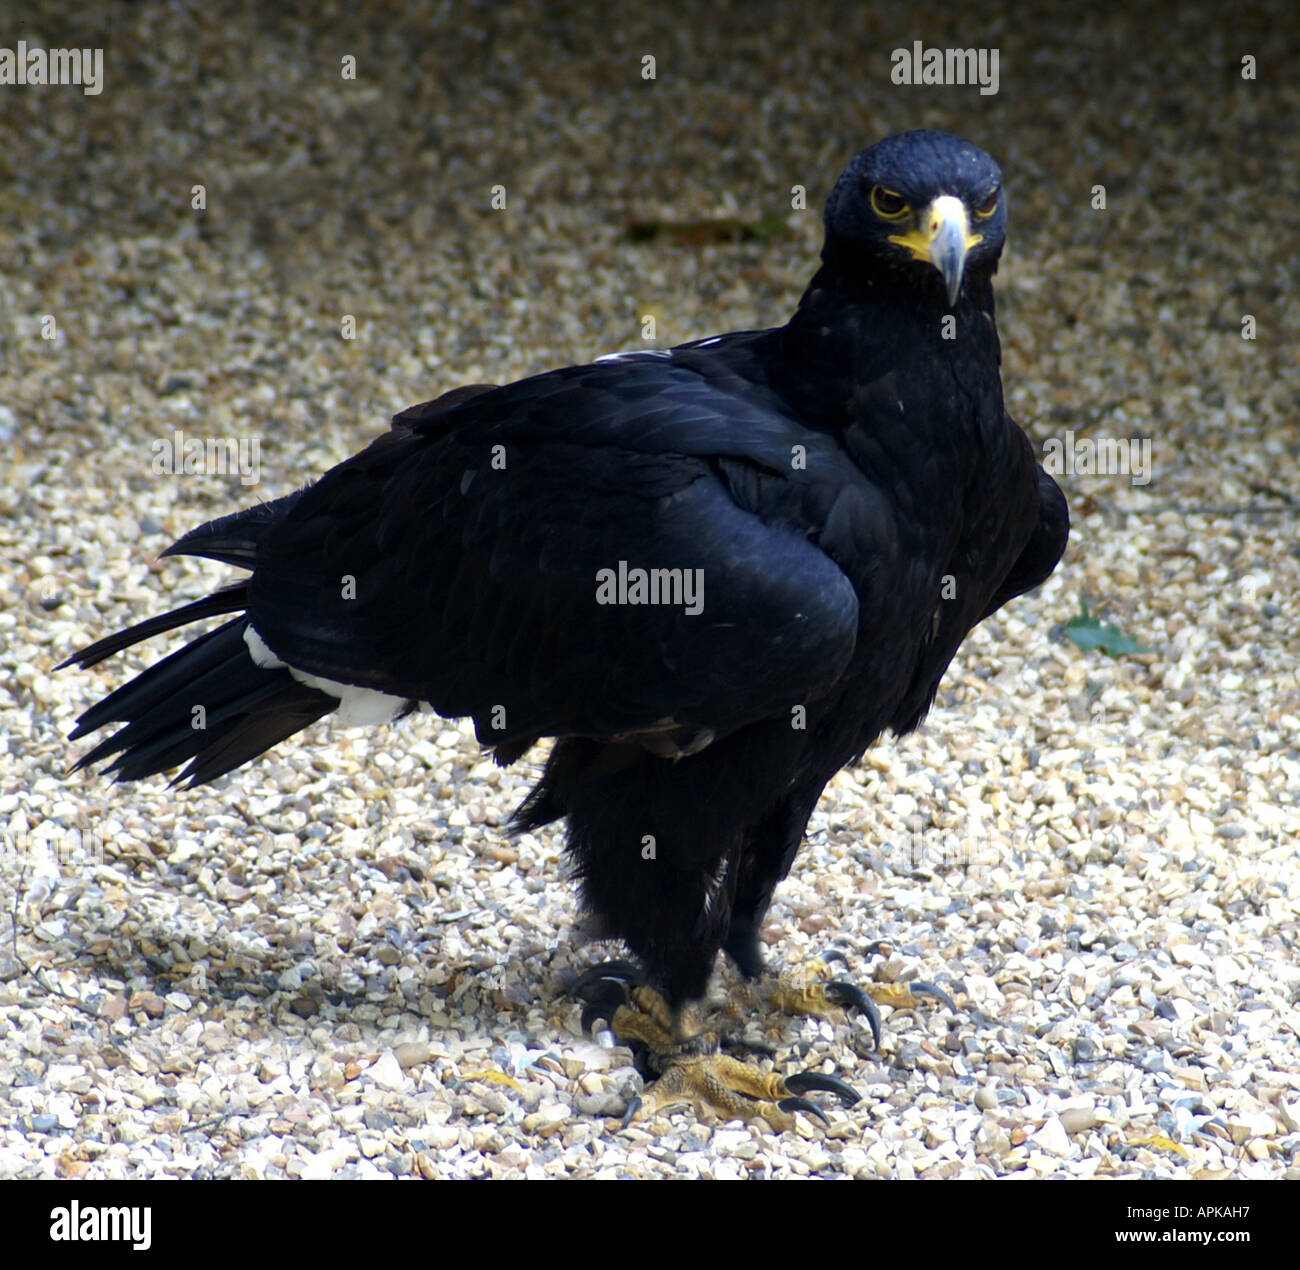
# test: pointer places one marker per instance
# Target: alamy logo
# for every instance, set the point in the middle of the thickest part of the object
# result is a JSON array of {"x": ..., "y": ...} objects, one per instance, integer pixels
[
  {"x": 103, "y": 1224},
  {"x": 920, "y": 65},
  {"x": 217, "y": 456},
  {"x": 1104, "y": 456},
  {"x": 36, "y": 65},
  {"x": 681, "y": 587}
]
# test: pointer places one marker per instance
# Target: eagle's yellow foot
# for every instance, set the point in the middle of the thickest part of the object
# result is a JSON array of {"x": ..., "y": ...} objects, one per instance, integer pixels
[
  {"x": 687, "y": 1061},
  {"x": 736, "y": 1090},
  {"x": 822, "y": 997}
]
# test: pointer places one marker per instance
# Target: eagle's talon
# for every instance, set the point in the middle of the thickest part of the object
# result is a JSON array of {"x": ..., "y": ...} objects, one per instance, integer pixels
[
  {"x": 605, "y": 989},
  {"x": 624, "y": 973},
  {"x": 923, "y": 988},
  {"x": 791, "y": 1105},
  {"x": 806, "y": 1082},
  {"x": 848, "y": 995},
  {"x": 599, "y": 1012}
]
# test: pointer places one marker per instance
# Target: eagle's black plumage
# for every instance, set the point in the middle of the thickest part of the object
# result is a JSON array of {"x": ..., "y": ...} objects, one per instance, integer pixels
[{"x": 849, "y": 485}]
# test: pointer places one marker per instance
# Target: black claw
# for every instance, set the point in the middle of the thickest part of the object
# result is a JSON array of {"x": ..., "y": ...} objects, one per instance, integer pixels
[
  {"x": 921, "y": 988},
  {"x": 835, "y": 954},
  {"x": 598, "y": 1012},
  {"x": 802, "y": 1104},
  {"x": 603, "y": 995},
  {"x": 805, "y": 1082},
  {"x": 620, "y": 972},
  {"x": 633, "y": 1106},
  {"x": 842, "y": 992}
]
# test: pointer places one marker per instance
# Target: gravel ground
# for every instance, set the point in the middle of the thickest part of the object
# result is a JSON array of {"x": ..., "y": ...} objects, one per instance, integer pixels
[{"x": 334, "y": 963}]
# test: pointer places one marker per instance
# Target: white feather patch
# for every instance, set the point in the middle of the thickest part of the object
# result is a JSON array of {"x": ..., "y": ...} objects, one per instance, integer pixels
[
  {"x": 358, "y": 707},
  {"x": 263, "y": 657}
]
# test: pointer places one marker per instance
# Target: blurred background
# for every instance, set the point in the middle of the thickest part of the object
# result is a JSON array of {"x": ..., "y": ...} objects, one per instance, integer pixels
[{"x": 625, "y": 197}]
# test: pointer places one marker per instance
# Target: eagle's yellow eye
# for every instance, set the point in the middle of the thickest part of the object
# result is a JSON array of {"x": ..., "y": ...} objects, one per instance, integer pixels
[
  {"x": 989, "y": 207},
  {"x": 887, "y": 204}
]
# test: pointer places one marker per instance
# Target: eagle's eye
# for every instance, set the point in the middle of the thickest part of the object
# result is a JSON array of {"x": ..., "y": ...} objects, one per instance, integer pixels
[
  {"x": 887, "y": 204},
  {"x": 988, "y": 207}
]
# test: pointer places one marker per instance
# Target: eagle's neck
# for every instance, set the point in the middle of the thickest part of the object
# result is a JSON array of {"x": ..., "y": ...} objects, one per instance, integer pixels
[{"x": 854, "y": 329}]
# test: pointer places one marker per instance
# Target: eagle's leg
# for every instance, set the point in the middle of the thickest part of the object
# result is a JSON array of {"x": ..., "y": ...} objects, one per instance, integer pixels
[
  {"x": 811, "y": 990},
  {"x": 687, "y": 1058}
]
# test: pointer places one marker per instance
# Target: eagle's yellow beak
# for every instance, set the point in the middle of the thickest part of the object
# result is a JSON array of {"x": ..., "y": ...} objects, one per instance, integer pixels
[{"x": 941, "y": 237}]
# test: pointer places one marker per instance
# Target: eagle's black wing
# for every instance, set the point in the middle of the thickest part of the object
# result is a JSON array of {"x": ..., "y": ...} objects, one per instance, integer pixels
[
  {"x": 467, "y": 558},
  {"x": 481, "y": 562}
]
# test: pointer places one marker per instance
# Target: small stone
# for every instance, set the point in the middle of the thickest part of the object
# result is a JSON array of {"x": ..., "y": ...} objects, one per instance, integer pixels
[
  {"x": 1079, "y": 1119},
  {"x": 595, "y": 1105},
  {"x": 149, "y": 1002},
  {"x": 215, "y": 1038},
  {"x": 324, "y": 1165},
  {"x": 729, "y": 1141},
  {"x": 387, "y": 1072},
  {"x": 546, "y": 1119},
  {"x": 61, "y": 1075},
  {"x": 1244, "y": 1126},
  {"x": 442, "y": 1137},
  {"x": 1052, "y": 1137},
  {"x": 412, "y": 1054},
  {"x": 271, "y": 1068}
]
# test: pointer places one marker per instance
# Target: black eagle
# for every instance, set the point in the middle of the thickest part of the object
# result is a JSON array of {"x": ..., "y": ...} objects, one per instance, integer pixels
[{"x": 714, "y": 573}]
